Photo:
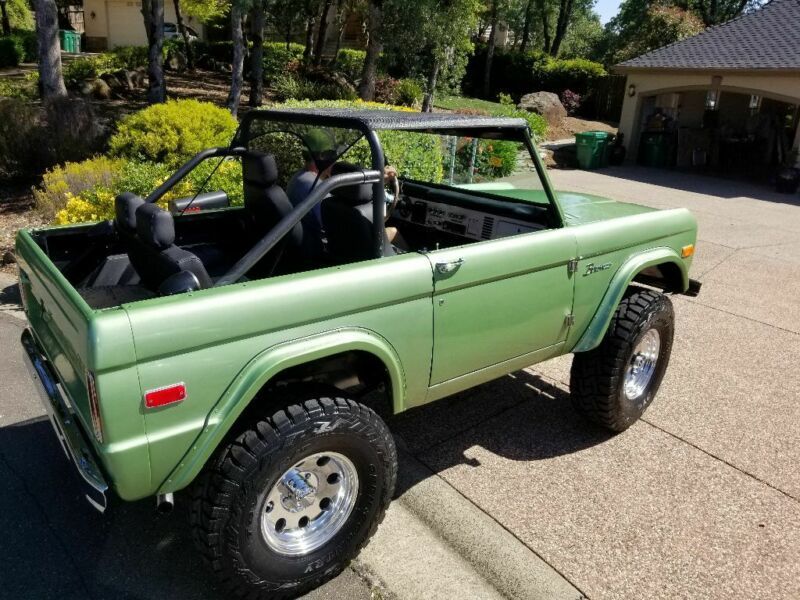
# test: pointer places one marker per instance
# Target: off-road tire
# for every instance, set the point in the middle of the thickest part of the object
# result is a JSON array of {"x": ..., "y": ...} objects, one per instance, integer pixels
[
  {"x": 228, "y": 496},
  {"x": 597, "y": 376}
]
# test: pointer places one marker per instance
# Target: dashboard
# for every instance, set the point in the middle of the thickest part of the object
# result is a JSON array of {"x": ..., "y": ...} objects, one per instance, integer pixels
[{"x": 458, "y": 220}]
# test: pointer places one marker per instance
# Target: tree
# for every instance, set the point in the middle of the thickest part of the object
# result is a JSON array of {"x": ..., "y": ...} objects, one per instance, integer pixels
[
  {"x": 487, "y": 71},
  {"x": 187, "y": 44},
  {"x": 257, "y": 22},
  {"x": 4, "y": 17},
  {"x": 366, "y": 88},
  {"x": 714, "y": 12},
  {"x": 51, "y": 80},
  {"x": 237, "y": 67},
  {"x": 153, "y": 13},
  {"x": 323, "y": 32},
  {"x": 565, "y": 8}
]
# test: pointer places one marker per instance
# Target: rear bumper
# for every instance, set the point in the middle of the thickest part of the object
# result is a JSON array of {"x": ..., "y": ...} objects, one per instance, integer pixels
[{"x": 68, "y": 430}]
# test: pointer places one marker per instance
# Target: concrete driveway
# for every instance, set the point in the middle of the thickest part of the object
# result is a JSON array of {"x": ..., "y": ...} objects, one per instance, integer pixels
[{"x": 701, "y": 499}]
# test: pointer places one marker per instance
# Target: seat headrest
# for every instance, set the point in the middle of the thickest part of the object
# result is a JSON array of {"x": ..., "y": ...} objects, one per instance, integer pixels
[
  {"x": 154, "y": 226},
  {"x": 125, "y": 206},
  {"x": 354, "y": 195},
  {"x": 259, "y": 169}
]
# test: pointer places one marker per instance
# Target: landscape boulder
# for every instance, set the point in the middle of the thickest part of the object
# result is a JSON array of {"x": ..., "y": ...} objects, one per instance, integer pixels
[{"x": 546, "y": 104}]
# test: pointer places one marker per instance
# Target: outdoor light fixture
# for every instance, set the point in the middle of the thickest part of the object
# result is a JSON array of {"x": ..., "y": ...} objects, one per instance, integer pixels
[
  {"x": 93, "y": 14},
  {"x": 631, "y": 90}
]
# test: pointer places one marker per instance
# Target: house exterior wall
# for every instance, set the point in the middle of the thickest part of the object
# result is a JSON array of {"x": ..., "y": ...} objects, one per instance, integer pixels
[
  {"x": 112, "y": 23},
  {"x": 777, "y": 85}
]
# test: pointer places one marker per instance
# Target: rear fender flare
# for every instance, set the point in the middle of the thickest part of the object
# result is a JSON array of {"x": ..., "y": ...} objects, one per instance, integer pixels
[
  {"x": 266, "y": 365},
  {"x": 596, "y": 330}
]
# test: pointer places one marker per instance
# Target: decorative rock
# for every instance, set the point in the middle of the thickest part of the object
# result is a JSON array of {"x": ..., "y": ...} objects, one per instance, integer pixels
[
  {"x": 546, "y": 104},
  {"x": 176, "y": 61}
]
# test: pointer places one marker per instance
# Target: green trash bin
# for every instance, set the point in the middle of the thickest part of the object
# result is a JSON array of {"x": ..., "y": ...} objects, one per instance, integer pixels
[
  {"x": 655, "y": 148},
  {"x": 70, "y": 41},
  {"x": 592, "y": 149}
]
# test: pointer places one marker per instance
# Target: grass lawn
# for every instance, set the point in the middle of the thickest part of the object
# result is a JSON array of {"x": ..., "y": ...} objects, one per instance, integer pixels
[{"x": 456, "y": 102}]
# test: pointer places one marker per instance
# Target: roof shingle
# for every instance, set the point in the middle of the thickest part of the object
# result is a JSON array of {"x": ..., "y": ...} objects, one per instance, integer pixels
[{"x": 768, "y": 38}]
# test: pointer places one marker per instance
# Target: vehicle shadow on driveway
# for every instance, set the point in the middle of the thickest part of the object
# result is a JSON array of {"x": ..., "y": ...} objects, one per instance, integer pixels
[
  {"x": 57, "y": 546},
  {"x": 489, "y": 416}
]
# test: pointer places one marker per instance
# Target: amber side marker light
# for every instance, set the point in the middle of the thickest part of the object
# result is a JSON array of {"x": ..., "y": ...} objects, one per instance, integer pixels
[{"x": 687, "y": 251}]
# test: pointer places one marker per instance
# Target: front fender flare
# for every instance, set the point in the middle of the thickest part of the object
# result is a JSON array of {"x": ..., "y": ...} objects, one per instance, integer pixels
[
  {"x": 264, "y": 367},
  {"x": 596, "y": 330}
]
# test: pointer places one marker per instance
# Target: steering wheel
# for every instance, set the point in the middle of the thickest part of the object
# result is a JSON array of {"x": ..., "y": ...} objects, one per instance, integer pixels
[{"x": 393, "y": 185}]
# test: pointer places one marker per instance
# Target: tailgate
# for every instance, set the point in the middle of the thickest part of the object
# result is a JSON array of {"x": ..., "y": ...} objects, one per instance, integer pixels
[{"x": 59, "y": 319}]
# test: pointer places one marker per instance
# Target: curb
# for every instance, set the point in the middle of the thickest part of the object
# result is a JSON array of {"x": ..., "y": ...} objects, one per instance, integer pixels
[{"x": 436, "y": 540}]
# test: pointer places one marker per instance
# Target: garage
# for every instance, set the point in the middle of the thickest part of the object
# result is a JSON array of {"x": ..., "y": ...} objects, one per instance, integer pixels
[{"x": 725, "y": 101}]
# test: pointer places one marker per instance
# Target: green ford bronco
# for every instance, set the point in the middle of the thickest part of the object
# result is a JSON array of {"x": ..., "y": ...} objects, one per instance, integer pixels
[{"x": 249, "y": 354}]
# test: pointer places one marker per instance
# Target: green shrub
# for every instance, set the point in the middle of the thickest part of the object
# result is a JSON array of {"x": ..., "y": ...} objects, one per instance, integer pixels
[
  {"x": 493, "y": 159},
  {"x": 505, "y": 99},
  {"x": 24, "y": 88},
  {"x": 20, "y": 15},
  {"x": 21, "y": 139},
  {"x": 130, "y": 57},
  {"x": 516, "y": 73},
  {"x": 172, "y": 132},
  {"x": 475, "y": 106},
  {"x": 74, "y": 179},
  {"x": 279, "y": 60},
  {"x": 293, "y": 86},
  {"x": 12, "y": 52},
  {"x": 221, "y": 51},
  {"x": 350, "y": 62},
  {"x": 414, "y": 155},
  {"x": 90, "y": 67},
  {"x": 409, "y": 93}
]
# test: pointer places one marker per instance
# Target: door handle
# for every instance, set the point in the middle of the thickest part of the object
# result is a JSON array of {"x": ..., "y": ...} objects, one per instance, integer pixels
[{"x": 448, "y": 267}]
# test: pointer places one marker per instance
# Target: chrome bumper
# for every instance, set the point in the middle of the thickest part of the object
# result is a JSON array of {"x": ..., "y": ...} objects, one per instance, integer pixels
[{"x": 65, "y": 424}]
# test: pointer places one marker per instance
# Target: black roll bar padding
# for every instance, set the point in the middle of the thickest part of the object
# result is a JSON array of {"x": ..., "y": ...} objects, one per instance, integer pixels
[
  {"x": 378, "y": 194},
  {"x": 285, "y": 225},
  {"x": 190, "y": 166}
]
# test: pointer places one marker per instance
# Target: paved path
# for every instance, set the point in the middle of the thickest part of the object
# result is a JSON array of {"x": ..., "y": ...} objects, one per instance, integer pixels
[{"x": 701, "y": 499}]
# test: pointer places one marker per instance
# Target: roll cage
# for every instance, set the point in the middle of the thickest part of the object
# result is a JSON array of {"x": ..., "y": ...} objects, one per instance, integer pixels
[{"x": 364, "y": 124}]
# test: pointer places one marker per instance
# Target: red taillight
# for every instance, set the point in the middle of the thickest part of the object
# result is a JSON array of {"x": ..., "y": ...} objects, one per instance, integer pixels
[
  {"x": 165, "y": 395},
  {"x": 94, "y": 407}
]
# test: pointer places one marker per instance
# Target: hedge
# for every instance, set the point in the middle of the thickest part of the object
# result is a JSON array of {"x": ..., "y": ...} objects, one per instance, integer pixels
[
  {"x": 12, "y": 52},
  {"x": 517, "y": 73}
]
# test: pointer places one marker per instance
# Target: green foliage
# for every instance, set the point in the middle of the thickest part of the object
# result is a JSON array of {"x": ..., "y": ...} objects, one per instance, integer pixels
[
  {"x": 11, "y": 52},
  {"x": 414, "y": 155},
  {"x": 90, "y": 67},
  {"x": 639, "y": 28},
  {"x": 84, "y": 191},
  {"x": 131, "y": 57},
  {"x": 294, "y": 86},
  {"x": 516, "y": 73},
  {"x": 75, "y": 179},
  {"x": 172, "y": 132},
  {"x": 205, "y": 10},
  {"x": 493, "y": 159},
  {"x": 23, "y": 88},
  {"x": 20, "y": 15},
  {"x": 278, "y": 60},
  {"x": 409, "y": 93},
  {"x": 350, "y": 62},
  {"x": 505, "y": 99},
  {"x": 537, "y": 123}
]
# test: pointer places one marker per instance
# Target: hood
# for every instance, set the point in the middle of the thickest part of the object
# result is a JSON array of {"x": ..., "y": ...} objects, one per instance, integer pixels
[{"x": 580, "y": 209}]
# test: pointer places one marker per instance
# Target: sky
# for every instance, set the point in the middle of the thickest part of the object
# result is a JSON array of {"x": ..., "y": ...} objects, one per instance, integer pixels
[{"x": 607, "y": 9}]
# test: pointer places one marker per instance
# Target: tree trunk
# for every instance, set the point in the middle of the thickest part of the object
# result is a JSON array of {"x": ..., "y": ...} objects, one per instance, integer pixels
[
  {"x": 366, "y": 88},
  {"x": 258, "y": 19},
  {"x": 4, "y": 15},
  {"x": 185, "y": 35},
  {"x": 433, "y": 76},
  {"x": 309, "y": 50},
  {"x": 544, "y": 13},
  {"x": 487, "y": 72},
  {"x": 323, "y": 32},
  {"x": 341, "y": 20},
  {"x": 564, "y": 17},
  {"x": 153, "y": 12},
  {"x": 51, "y": 81},
  {"x": 237, "y": 68},
  {"x": 526, "y": 28}
]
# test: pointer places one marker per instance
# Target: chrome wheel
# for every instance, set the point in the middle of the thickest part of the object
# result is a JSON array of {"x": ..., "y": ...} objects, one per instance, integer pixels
[
  {"x": 309, "y": 504},
  {"x": 642, "y": 364}
]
